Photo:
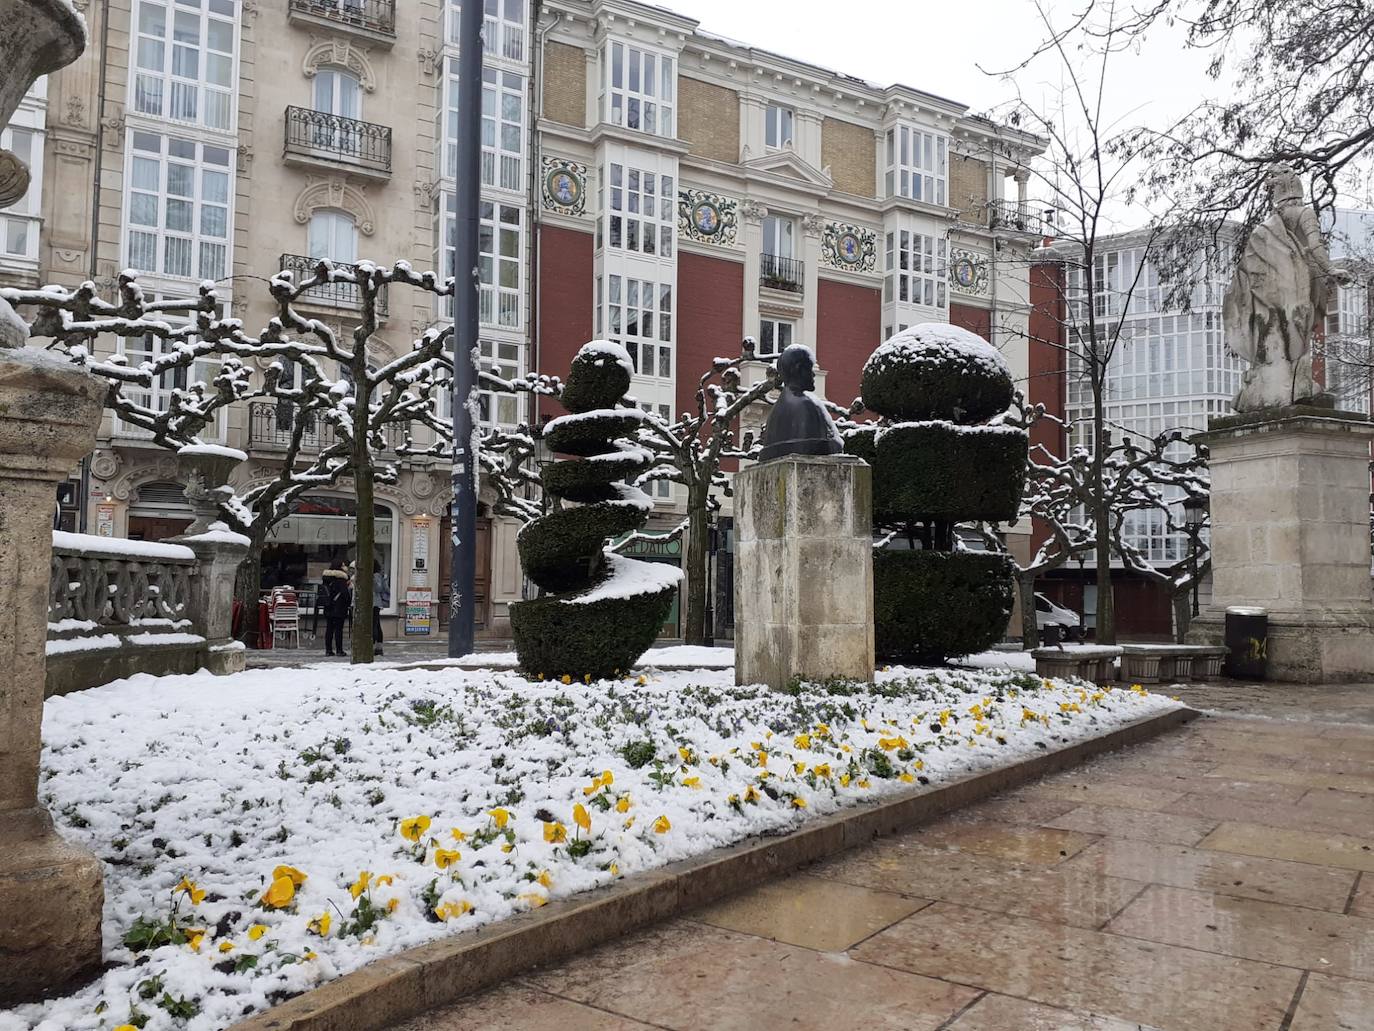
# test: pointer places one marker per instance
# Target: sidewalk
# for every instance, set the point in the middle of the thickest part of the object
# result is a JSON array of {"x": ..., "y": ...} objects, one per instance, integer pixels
[
  {"x": 412, "y": 649},
  {"x": 1212, "y": 878}
]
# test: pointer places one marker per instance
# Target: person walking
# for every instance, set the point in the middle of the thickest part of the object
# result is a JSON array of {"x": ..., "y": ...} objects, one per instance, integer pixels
[
  {"x": 338, "y": 599},
  {"x": 381, "y": 598}
]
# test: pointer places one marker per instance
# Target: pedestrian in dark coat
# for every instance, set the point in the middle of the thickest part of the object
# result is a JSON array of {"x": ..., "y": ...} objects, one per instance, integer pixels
[{"x": 338, "y": 600}]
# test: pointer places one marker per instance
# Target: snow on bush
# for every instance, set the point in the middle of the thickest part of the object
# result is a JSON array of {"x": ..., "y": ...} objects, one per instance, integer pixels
[{"x": 267, "y": 833}]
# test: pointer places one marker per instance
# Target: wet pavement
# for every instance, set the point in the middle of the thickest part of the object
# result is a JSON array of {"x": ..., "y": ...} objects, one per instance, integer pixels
[{"x": 1219, "y": 877}]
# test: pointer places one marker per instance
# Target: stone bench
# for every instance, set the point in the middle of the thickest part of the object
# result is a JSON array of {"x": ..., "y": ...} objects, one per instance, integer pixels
[
  {"x": 1095, "y": 662},
  {"x": 1157, "y": 663}
]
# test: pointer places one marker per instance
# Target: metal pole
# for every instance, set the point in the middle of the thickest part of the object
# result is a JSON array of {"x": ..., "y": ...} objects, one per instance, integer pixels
[{"x": 466, "y": 198}]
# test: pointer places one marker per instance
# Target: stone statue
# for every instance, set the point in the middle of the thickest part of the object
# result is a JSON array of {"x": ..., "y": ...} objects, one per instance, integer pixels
[
  {"x": 1277, "y": 297},
  {"x": 798, "y": 423}
]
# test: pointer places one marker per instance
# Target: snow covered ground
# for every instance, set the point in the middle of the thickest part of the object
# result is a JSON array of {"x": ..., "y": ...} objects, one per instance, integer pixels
[{"x": 268, "y": 832}]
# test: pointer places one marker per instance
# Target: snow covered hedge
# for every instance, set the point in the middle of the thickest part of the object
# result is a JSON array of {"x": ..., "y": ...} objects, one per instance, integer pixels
[
  {"x": 929, "y": 605},
  {"x": 605, "y": 610},
  {"x": 263, "y": 840}
]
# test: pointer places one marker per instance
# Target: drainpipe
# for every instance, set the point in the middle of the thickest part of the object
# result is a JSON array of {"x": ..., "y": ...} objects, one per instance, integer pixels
[{"x": 536, "y": 150}]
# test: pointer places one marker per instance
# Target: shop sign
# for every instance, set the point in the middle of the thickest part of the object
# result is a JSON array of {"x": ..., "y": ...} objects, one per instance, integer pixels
[
  {"x": 104, "y": 520},
  {"x": 655, "y": 548},
  {"x": 417, "y": 611}
]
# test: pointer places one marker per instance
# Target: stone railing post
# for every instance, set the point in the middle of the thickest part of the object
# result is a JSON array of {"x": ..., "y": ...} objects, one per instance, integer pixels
[
  {"x": 212, "y": 596},
  {"x": 51, "y": 891}
]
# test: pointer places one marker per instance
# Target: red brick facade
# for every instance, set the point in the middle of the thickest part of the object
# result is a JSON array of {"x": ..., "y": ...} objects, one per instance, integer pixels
[
  {"x": 975, "y": 320},
  {"x": 848, "y": 329},
  {"x": 710, "y": 318},
  {"x": 565, "y": 302}
]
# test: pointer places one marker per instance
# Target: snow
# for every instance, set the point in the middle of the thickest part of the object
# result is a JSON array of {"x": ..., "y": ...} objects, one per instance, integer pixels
[
  {"x": 936, "y": 342},
  {"x": 594, "y": 414},
  {"x": 218, "y": 450},
  {"x": 63, "y": 626},
  {"x": 629, "y": 578},
  {"x": 608, "y": 349},
  {"x": 220, "y": 533},
  {"x": 82, "y": 644},
  {"x": 221, "y": 780},
  {"x": 119, "y": 547},
  {"x": 689, "y": 655},
  {"x": 230, "y": 646},
  {"x": 161, "y": 639},
  {"x": 1023, "y": 662}
]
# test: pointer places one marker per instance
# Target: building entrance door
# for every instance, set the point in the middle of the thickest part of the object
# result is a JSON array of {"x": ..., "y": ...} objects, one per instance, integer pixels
[{"x": 481, "y": 581}]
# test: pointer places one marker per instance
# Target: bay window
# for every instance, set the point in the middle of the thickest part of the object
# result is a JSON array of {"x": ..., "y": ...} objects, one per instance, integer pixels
[
  {"x": 639, "y": 88},
  {"x": 184, "y": 61},
  {"x": 639, "y": 206},
  {"x": 917, "y": 164},
  {"x": 178, "y": 207}
]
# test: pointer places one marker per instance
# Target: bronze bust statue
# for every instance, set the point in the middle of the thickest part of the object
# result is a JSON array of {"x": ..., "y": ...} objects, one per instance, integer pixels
[{"x": 798, "y": 423}]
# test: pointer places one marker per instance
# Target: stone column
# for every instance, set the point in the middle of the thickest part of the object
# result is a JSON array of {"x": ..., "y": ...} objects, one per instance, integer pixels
[
  {"x": 1290, "y": 534},
  {"x": 804, "y": 570},
  {"x": 51, "y": 892}
]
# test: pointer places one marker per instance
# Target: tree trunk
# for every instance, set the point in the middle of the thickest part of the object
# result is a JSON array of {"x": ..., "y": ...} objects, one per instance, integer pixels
[
  {"x": 247, "y": 587},
  {"x": 697, "y": 554},
  {"x": 363, "y": 489},
  {"x": 1105, "y": 632},
  {"x": 1183, "y": 614},
  {"x": 1030, "y": 631}
]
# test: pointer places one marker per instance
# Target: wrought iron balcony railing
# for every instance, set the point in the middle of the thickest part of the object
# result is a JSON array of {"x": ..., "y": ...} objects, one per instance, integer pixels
[
  {"x": 271, "y": 425},
  {"x": 378, "y": 16},
  {"x": 334, "y": 295},
  {"x": 347, "y": 141},
  {"x": 1006, "y": 215},
  {"x": 780, "y": 273}
]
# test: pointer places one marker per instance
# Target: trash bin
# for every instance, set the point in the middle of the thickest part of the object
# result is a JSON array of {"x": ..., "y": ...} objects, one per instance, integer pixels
[
  {"x": 1247, "y": 642},
  {"x": 1051, "y": 634}
]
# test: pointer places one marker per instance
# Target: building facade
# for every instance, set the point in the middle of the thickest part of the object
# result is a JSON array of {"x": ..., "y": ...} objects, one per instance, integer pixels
[{"x": 642, "y": 181}]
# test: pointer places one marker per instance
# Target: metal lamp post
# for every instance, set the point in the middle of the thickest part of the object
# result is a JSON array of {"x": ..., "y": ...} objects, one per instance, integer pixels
[
  {"x": 466, "y": 199},
  {"x": 1194, "y": 518}
]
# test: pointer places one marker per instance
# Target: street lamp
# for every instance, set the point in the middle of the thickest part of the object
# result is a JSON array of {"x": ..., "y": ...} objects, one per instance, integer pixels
[{"x": 1194, "y": 518}]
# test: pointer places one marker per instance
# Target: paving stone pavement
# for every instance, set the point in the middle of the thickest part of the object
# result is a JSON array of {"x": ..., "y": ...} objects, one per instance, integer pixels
[{"x": 1220, "y": 877}]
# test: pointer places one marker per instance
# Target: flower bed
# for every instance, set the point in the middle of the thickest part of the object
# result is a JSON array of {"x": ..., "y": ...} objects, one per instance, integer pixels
[{"x": 265, "y": 834}]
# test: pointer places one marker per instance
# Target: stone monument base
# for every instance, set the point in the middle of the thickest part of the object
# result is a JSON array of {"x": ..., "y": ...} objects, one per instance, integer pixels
[
  {"x": 51, "y": 895},
  {"x": 1290, "y": 534},
  {"x": 804, "y": 570}
]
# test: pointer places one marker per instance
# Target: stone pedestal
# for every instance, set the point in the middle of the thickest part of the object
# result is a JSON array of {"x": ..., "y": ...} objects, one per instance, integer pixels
[
  {"x": 219, "y": 553},
  {"x": 51, "y": 891},
  {"x": 1290, "y": 534},
  {"x": 804, "y": 570}
]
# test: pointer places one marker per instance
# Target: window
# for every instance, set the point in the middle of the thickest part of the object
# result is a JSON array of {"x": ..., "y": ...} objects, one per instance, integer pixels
[
  {"x": 137, "y": 350},
  {"x": 498, "y": 260},
  {"x": 334, "y": 235},
  {"x": 639, "y": 211},
  {"x": 917, "y": 164},
  {"x": 494, "y": 408},
  {"x": 322, "y": 530},
  {"x": 639, "y": 315},
  {"x": 778, "y": 127},
  {"x": 639, "y": 89},
  {"x": 178, "y": 200},
  {"x": 503, "y": 28},
  {"x": 338, "y": 92},
  {"x": 916, "y": 269},
  {"x": 776, "y": 334},
  {"x": 778, "y": 236},
  {"x": 19, "y": 231},
  {"x": 503, "y": 126},
  {"x": 184, "y": 61},
  {"x": 660, "y": 489}
]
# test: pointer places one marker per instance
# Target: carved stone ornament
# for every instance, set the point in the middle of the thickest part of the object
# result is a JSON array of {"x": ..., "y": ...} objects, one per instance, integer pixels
[
  {"x": 334, "y": 192},
  {"x": 14, "y": 178},
  {"x": 105, "y": 465},
  {"x": 564, "y": 186},
  {"x": 848, "y": 247},
  {"x": 707, "y": 217},
  {"x": 340, "y": 53},
  {"x": 968, "y": 272},
  {"x": 752, "y": 211},
  {"x": 813, "y": 225}
]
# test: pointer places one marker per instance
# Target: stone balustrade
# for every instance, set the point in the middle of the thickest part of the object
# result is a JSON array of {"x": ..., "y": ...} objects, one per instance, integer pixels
[{"x": 119, "y": 607}]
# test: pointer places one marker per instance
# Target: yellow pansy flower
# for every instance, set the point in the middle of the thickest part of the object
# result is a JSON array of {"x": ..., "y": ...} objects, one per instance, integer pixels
[
  {"x": 615, "y": 870},
  {"x": 799, "y": 803},
  {"x": 446, "y": 857},
  {"x": 821, "y": 770},
  {"x": 194, "y": 938},
  {"x": 622, "y": 804},
  {"x": 256, "y": 931},
  {"x": 360, "y": 885},
  {"x": 226, "y": 946},
  {"x": 534, "y": 899},
  {"x": 691, "y": 782},
  {"x": 799, "y": 767},
  {"x": 126, "y": 1027},
  {"x": 751, "y": 794},
  {"x": 629, "y": 823},
  {"x": 844, "y": 780},
  {"x": 450, "y": 910},
  {"x": 662, "y": 826},
  {"x": 802, "y": 741},
  {"x": 384, "y": 880},
  {"x": 392, "y": 904},
  {"x": 413, "y": 828},
  {"x": 555, "y": 833},
  {"x": 309, "y": 954},
  {"x": 581, "y": 817},
  {"x": 279, "y": 893},
  {"x": 566, "y": 679},
  {"x": 320, "y": 925},
  {"x": 501, "y": 816},
  {"x": 458, "y": 835},
  {"x": 906, "y": 778},
  {"x": 197, "y": 895},
  {"x": 642, "y": 680},
  {"x": 546, "y": 879},
  {"x": 297, "y": 878},
  {"x": 685, "y": 753}
]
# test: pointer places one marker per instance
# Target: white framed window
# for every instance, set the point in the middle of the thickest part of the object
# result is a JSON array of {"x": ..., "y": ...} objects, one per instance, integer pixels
[
  {"x": 916, "y": 269},
  {"x": 639, "y": 211},
  {"x": 333, "y": 235},
  {"x": 503, "y": 27},
  {"x": 917, "y": 164},
  {"x": 503, "y": 358},
  {"x": 639, "y": 89},
  {"x": 338, "y": 92},
  {"x": 779, "y": 236},
  {"x": 500, "y": 263},
  {"x": 661, "y": 490},
  {"x": 178, "y": 207},
  {"x": 503, "y": 127},
  {"x": 137, "y": 350},
  {"x": 638, "y": 315},
  {"x": 777, "y": 132},
  {"x": 776, "y": 334},
  {"x": 184, "y": 61},
  {"x": 20, "y": 222}
]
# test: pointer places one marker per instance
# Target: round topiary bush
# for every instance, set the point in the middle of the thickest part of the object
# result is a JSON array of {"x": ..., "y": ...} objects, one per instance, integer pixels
[
  {"x": 937, "y": 371},
  {"x": 599, "y": 611},
  {"x": 932, "y": 469}
]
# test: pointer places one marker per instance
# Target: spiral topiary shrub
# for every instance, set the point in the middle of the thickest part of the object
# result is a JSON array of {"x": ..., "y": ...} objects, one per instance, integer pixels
[
  {"x": 599, "y": 611},
  {"x": 933, "y": 467}
]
